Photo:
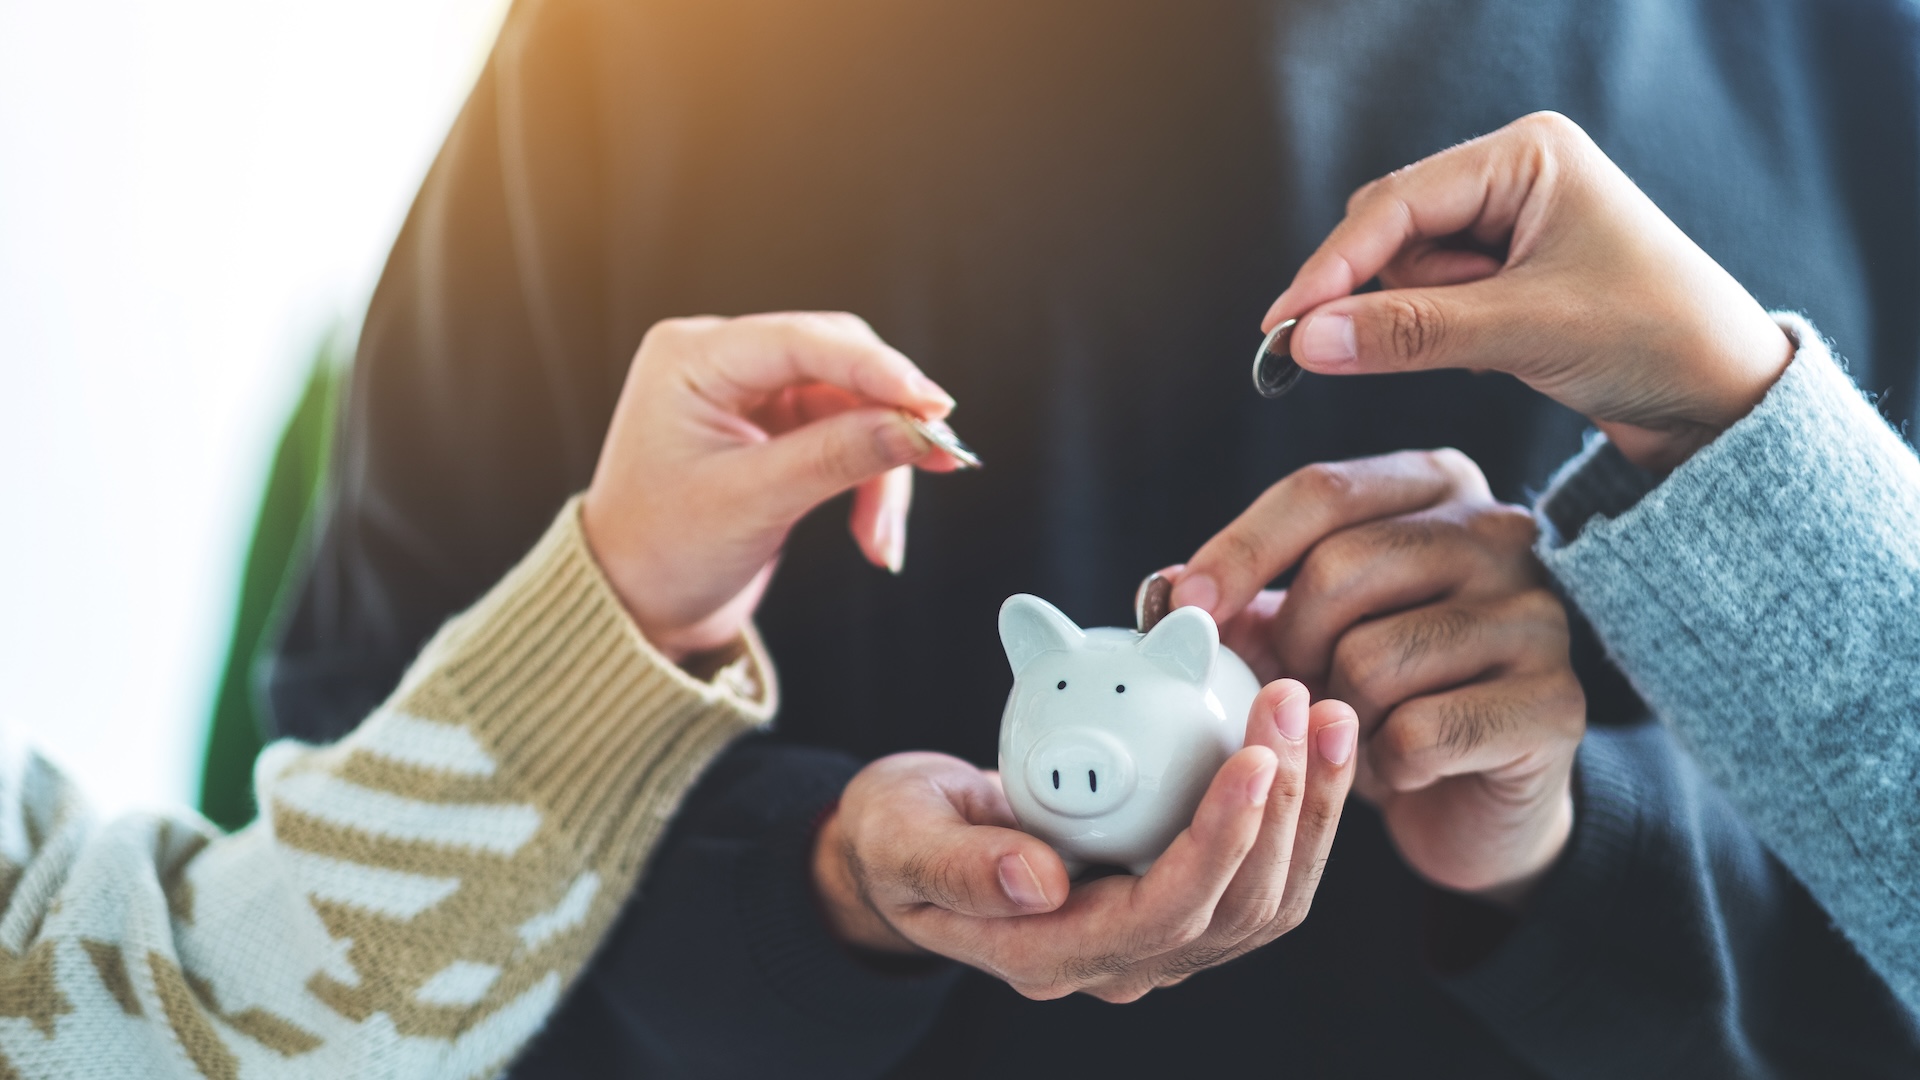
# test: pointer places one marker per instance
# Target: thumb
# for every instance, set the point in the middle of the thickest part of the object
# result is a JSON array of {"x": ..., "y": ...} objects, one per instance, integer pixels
[
  {"x": 790, "y": 474},
  {"x": 985, "y": 871},
  {"x": 1451, "y": 326},
  {"x": 942, "y": 839}
]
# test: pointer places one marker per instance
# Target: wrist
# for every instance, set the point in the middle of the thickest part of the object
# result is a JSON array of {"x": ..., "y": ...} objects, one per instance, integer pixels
[
  {"x": 1537, "y": 861},
  {"x": 1738, "y": 364},
  {"x": 850, "y": 917}
]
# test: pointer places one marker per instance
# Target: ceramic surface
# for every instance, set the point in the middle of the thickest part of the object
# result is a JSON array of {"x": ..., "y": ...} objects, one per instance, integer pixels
[{"x": 1110, "y": 737}]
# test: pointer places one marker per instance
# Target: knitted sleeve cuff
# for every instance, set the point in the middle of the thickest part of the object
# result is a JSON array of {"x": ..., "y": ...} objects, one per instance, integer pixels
[
  {"x": 1761, "y": 600},
  {"x": 581, "y": 714}
]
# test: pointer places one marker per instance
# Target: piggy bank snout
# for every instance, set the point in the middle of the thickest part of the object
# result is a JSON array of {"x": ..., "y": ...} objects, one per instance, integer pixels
[{"x": 1079, "y": 772}]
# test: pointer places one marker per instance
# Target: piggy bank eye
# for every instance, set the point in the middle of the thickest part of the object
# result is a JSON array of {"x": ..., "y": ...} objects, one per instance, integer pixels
[
  {"x": 1062, "y": 686},
  {"x": 1121, "y": 689}
]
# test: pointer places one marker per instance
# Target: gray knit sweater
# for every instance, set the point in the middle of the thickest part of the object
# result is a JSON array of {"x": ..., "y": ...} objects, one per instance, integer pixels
[{"x": 1765, "y": 601}]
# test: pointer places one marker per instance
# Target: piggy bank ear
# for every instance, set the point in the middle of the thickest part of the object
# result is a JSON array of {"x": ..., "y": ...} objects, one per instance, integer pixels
[
  {"x": 1030, "y": 626},
  {"x": 1185, "y": 643}
]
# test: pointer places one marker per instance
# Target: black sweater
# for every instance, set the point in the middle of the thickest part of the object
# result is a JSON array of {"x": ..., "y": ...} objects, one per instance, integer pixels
[{"x": 1072, "y": 214}]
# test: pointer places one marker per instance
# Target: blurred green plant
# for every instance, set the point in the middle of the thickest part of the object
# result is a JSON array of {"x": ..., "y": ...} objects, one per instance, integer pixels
[{"x": 276, "y": 557}]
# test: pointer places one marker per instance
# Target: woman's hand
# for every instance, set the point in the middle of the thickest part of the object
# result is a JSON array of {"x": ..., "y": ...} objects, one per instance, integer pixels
[
  {"x": 1528, "y": 251},
  {"x": 727, "y": 432}
]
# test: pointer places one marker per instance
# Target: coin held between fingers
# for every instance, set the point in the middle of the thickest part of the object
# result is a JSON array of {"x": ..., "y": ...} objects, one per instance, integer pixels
[
  {"x": 941, "y": 436},
  {"x": 1274, "y": 371},
  {"x": 1152, "y": 601}
]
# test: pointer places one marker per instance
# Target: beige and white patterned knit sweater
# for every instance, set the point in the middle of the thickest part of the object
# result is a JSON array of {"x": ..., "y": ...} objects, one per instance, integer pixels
[{"x": 414, "y": 899}]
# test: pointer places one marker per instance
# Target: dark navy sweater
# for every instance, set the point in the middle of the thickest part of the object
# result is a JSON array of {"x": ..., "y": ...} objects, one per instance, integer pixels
[{"x": 1073, "y": 214}]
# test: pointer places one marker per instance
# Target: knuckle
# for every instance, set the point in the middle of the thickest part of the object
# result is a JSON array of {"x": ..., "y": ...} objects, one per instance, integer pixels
[
  {"x": 1122, "y": 994},
  {"x": 1289, "y": 784},
  {"x": 1549, "y": 126},
  {"x": 1543, "y": 612},
  {"x": 1458, "y": 467},
  {"x": 1324, "y": 483},
  {"x": 1297, "y": 910},
  {"x": 1241, "y": 546},
  {"x": 1504, "y": 527},
  {"x": 1363, "y": 194},
  {"x": 1196, "y": 960},
  {"x": 1435, "y": 631},
  {"x": 1416, "y": 326},
  {"x": 1462, "y": 725},
  {"x": 1334, "y": 565},
  {"x": 1256, "y": 917},
  {"x": 1360, "y": 668},
  {"x": 1399, "y": 751},
  {"x": 1568, "y": 701},
  {"x": 1178, "y": 933},
  {"x": 1044, "y": 991},
  {"x": 1079, "y": 973}
]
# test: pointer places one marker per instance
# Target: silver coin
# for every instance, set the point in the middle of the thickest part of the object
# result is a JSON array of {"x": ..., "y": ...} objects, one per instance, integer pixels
[
  {"x": 939, "y": 434},
  {"x": 1274, "y": 372},
  {"x": 1151, "y": 602}
]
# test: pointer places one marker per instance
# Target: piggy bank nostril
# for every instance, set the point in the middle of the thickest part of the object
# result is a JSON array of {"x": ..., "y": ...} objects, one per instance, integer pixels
[{"x": 1077, "y": 772}]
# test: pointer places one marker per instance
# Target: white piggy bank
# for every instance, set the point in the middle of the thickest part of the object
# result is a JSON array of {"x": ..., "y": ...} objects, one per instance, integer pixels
[{"x": 1111, "y": 737}]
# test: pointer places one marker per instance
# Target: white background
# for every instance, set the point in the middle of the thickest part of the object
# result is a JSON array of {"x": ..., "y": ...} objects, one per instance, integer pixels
[{"x": 191, "y": 192}]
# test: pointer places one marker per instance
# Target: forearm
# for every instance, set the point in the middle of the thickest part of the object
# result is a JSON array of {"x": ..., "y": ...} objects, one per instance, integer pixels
[
  {"x": 419, "y": 893},
  {"x": 1763, "y": 599},
  {"x": 1668, "y": 942}
]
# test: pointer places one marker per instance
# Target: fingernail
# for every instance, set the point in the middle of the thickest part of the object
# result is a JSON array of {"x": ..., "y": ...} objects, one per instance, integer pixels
[
  {"x": 1326, "y": 341},
  {"x": 1336, "y": 741},
  {"x": 1196, "y": 590},
  {"x": 900, "y": 440},
  {"x": 937, "y": 433},
  {"x": 1290, "y": 715},
  {"x": 1272, "y": 318},
  {"x": 932, "y": 392},
  {"x": 1262, "y": 783},
  {"x": 1020, "y": 884},
  {"x": 894, "y": 543}
]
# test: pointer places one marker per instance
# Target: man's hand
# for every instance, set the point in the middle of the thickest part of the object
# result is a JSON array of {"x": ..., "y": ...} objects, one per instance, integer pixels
[
  {"x": 727, "y": 432},
  {"x": 1418, "y": 600},
  {"x": 923, "y": 853}
]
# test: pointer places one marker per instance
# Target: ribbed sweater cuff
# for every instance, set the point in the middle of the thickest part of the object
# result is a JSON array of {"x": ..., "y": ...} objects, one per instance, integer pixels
[
  {"x": 1761, "y": 598},
  {"x": 585, "y": 718}
]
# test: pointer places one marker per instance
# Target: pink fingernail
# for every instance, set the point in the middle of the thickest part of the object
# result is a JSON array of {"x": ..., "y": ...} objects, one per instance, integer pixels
[
  {"x": 1022, "y": 887},
  {"x": 896, "y": 546},
  {"x": 931, "y": 390},
  {"x": 1261, "y": 783},
  {"x": 1290, "y": 715},
  {"x": 1196, "y": 590},
  {"x": 1327, "y": 341},
  {"x": 1336, "y": 742}
]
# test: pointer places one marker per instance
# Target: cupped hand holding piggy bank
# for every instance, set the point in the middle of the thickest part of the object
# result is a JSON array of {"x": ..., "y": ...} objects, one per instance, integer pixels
[{"x": 1110, "y": 737}]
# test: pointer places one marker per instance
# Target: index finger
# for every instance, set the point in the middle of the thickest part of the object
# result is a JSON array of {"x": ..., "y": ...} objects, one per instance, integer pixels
[
  {"x": 1474, "y": 185},
  {"x": 754, "y": 355},
  {"x": 1310, "y": 504}
]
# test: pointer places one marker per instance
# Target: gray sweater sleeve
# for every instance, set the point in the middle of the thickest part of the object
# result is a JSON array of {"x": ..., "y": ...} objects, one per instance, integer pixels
[{"x": 1765, "y": 600}]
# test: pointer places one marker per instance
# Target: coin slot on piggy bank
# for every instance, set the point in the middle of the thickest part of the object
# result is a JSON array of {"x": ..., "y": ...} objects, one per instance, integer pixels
[{"x": 1110, "y": 736}]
